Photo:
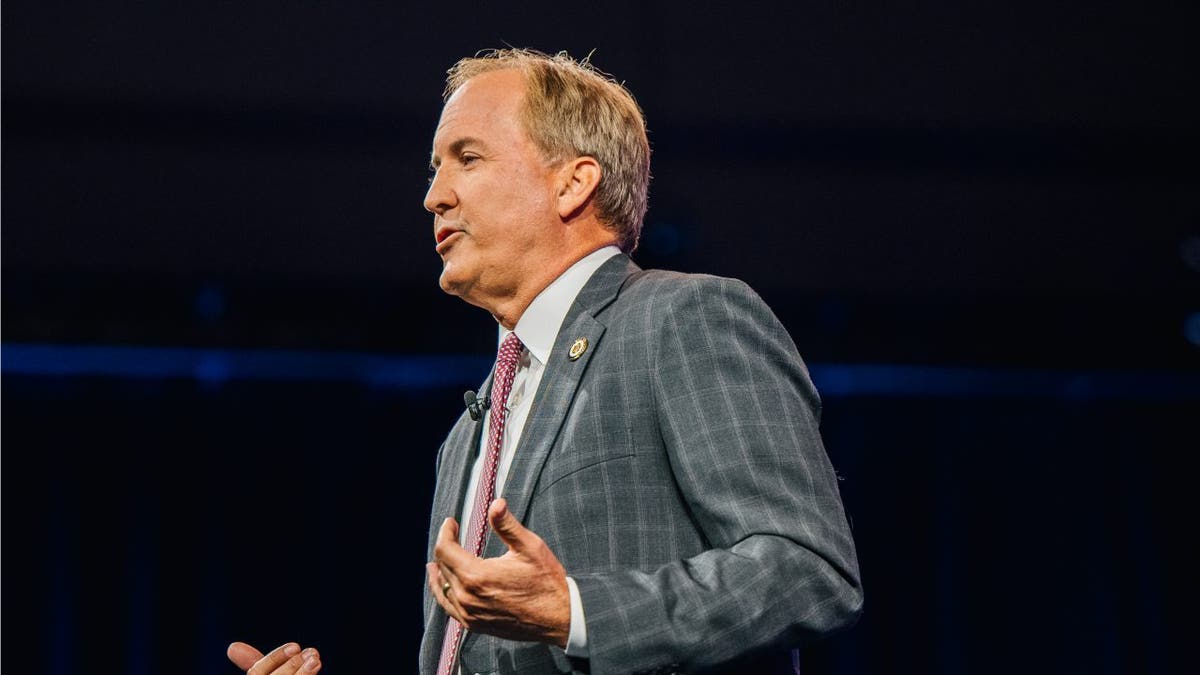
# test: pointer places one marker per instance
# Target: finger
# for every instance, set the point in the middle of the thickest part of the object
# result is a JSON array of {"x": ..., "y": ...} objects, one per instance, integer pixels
[
  {"x": 433, "y": 578},
  {"x": 438, "y": 576},
  {"x": 447, "y": 550},
  {"x": 514, "y": 535},
  {"x": 448, "y": 532},
  {"x": 312, "y": 661},
  {"x": 447, "y": 536},
  {"x": 252, "y": 661},
  {"x": 444, "y": 598},
  {"x": 243, "y": 655},
  {"x": 297, "y": 664}
]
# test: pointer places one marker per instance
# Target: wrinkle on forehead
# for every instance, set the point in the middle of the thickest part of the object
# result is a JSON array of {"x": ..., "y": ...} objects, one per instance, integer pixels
[{"x": 488, "y": 102}]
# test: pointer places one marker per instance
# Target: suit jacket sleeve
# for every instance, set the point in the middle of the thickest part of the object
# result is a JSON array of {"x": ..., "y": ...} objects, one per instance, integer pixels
[{"x": 739, "y": 420}]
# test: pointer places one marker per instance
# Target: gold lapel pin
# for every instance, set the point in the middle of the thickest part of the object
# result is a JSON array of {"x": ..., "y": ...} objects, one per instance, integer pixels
[{"x": 577, "y": 349}]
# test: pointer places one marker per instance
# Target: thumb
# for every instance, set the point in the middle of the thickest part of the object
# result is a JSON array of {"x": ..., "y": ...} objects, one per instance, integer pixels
[
  {"x": 243, "y": 655},
  {"x": 504, "y": 523},
  {"x": 246, "y": 657}
]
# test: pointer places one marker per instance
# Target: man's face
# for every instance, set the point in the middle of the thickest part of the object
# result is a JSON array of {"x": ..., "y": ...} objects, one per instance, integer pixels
[{"x": 492, "y": 194}]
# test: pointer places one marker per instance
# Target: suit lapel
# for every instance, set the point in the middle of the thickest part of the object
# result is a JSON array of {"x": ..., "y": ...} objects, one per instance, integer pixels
[
  {"x": 454, "y": 467},
  {"x": 556, "y": 393},
  {"x": 454, "y": 473}
]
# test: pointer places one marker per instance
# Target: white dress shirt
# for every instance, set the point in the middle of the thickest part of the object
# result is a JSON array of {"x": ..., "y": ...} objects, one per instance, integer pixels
[{"x": 537, "y": 329}]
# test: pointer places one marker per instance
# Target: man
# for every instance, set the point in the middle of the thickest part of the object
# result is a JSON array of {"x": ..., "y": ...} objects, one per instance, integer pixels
[{"x": 643, "y": 487}]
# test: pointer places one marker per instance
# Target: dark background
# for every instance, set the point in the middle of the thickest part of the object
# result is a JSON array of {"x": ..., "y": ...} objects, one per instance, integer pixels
[{"x": 979, "y": 222}]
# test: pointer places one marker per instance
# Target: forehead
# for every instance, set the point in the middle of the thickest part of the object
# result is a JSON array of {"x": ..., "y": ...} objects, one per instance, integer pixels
[{"x": 488, "y": 105}]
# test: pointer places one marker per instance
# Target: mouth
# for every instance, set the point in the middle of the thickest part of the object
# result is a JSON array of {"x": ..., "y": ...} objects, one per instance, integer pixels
[{"x": 445, "y": 237}]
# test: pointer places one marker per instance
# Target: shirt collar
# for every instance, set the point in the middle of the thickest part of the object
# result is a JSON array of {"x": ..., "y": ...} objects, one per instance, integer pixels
[{"x": 539, "y": 324}]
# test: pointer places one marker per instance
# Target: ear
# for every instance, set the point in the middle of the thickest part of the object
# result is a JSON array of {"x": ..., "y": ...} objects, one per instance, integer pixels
[{"x": 578, "y": 180}]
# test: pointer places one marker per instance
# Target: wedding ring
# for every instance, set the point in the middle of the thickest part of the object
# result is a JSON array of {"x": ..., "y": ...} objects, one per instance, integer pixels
[{"x": 446, "y": 588}]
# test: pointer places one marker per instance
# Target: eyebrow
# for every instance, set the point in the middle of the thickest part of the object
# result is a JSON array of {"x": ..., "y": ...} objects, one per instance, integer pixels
[{"x": 456, "y": 147}]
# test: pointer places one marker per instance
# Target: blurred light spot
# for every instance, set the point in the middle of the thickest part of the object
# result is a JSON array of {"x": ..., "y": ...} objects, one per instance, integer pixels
[
  {"x": 212, "y": 370},
  {"x": 662, "y": 239},
  {"x": 1191, "y": 328},
  {"x": 1076, "y": 388},
  {"x": 210, "y": 303},
  {"x": 1189, "y": 250}
]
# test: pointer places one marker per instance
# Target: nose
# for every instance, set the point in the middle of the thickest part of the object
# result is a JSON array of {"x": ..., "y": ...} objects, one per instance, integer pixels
[{"x": 440, "y": 197}]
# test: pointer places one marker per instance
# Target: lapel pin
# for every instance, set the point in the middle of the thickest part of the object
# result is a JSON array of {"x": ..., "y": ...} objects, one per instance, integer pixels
[{"x": 577, "y": 349}]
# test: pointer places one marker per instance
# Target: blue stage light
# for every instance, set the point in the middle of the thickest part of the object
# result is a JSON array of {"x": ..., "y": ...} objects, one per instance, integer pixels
[
  {"x": 1191, "y": 328},
  {"x": 212, "y": 369},
  {"x": 216, "y": 367}
]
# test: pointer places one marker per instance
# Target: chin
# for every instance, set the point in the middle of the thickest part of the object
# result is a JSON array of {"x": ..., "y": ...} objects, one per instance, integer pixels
[
  {"x": 447, "y": 285},
  {"x": 452, "y": 283}
]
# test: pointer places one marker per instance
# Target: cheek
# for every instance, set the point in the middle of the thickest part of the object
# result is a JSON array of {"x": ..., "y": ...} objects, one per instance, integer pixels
[
  {"x": 512, "y": 206},
  {"x": 526, "y": 188}
]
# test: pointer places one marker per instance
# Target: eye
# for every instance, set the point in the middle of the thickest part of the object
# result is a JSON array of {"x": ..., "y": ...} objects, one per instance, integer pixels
[{"x": 468, "y": 159}]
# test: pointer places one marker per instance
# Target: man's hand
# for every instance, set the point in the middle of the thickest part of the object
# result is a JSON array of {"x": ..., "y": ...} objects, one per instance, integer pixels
[
  {"x": 287, "y": 659},
  {"x": 522, "y": 595}
]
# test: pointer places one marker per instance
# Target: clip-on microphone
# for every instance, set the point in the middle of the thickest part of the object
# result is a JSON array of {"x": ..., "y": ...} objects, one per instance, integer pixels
[{"x": 475, "y": 406}]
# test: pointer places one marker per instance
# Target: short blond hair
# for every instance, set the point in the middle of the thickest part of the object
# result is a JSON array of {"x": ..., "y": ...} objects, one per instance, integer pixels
[{"x": 573, "y": 109}]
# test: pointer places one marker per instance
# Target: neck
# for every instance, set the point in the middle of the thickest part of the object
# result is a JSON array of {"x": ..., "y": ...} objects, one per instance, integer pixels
[{"x": 508, "y": 311}]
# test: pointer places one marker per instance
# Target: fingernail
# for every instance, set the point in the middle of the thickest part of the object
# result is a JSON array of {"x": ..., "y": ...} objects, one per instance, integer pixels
[
  {"x": 309, "y": 653},
  {"x": 292, "y": 649},
  {"x": 312, "y": 665}
]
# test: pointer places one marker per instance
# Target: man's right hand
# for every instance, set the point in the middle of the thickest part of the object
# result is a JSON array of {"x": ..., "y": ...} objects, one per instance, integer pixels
[{"x": 287, "y": 659}]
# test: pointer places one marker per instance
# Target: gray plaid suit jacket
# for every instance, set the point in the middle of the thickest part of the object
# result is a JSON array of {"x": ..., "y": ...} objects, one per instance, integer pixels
[{"x": 677, "y": 471}]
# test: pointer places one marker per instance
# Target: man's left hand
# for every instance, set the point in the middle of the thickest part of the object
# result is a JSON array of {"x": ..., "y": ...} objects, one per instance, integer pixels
[{"x": 521, "y": 595}]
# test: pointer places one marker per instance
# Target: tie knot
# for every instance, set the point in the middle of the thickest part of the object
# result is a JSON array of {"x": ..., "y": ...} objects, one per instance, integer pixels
[
  {"x": 510, "y": 351},
  {"x": 506, "y": 369}
]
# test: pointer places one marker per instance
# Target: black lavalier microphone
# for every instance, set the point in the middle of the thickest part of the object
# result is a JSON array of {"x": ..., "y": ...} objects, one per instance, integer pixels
[{"x": 475, "y": 406}]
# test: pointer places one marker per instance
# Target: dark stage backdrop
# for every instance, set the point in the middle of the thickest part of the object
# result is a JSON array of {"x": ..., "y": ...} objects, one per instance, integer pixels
[{"x": 227, "y": 365}]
